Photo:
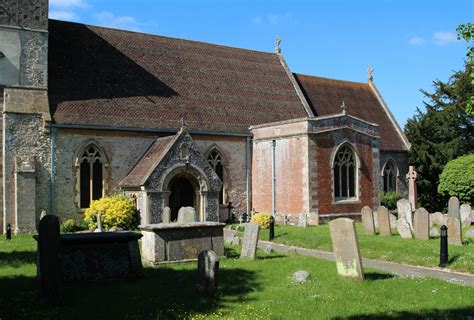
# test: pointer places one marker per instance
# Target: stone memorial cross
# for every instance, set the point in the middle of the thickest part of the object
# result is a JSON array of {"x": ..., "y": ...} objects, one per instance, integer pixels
[{"x": 412, "y": 195}]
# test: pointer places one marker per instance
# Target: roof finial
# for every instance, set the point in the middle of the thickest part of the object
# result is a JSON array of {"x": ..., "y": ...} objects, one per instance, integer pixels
[
  {"x": 343, "y": 107},
  {"x": 370, "y": 72},
  {"x": 277, "y": 45},
  {"x": 183, "y": 123}
]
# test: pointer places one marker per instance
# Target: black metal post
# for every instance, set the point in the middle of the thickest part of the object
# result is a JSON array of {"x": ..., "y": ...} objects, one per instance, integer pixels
[
  {"x": 272, "y": 228},
  {"x": 443, "y": 247},
  {"x": 9, "y": 231}
]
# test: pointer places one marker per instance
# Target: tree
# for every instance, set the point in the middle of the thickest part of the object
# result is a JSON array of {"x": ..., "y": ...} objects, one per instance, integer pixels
[
  {"x": 457, "y": 179},
  {"x": 466, "y": 32},
  {"x": 443, "y": 132}
]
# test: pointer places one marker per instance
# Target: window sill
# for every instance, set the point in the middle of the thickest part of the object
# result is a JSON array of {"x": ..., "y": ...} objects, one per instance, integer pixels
[{"x": 346, "y": 201}]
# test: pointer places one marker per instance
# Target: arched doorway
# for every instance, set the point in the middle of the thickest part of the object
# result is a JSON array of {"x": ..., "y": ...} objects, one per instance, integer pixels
[{"x": 182, "y": 195}]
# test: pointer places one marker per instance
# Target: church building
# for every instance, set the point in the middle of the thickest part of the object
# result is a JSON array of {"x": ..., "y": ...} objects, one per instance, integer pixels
[{"x": 91, "y": 111}]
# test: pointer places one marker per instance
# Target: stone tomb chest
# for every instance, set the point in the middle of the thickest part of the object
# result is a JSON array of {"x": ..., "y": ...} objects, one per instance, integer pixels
[{"x": 167, "y": 242}]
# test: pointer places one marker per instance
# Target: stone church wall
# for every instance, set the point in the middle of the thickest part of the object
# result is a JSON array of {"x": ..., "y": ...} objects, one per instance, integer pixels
[{"x": 401, "y": 159}]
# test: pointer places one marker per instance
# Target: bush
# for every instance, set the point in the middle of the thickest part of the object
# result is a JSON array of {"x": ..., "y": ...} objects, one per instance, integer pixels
[
  {"x": 262, "y": 218},
  {"x": 457, "y": 179},
  {"x": 71, "y": 225},
  {"x": 389, "y": 199},
  {"x": 117, "y": 212}
]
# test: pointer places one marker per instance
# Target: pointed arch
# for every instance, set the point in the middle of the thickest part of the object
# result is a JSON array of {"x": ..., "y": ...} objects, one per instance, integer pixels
[
  {"x": 389, "y": 176},
  {"x": 345, "y": 166},
  {"x": 216, "y": 160}
]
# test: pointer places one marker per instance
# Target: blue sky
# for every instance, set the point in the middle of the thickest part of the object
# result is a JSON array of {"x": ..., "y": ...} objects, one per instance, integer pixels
[{"x": 408, "y": 43}]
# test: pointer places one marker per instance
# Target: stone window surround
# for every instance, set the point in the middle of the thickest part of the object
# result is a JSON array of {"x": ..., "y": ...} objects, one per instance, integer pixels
[
  {"x": 336, "y": 149},
  {"x": 225, "y": 185},
  {"x": 393, "y": 163}
]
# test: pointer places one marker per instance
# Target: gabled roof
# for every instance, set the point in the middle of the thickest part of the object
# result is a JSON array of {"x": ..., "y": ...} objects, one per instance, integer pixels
[
  {"x": 106, "y": 77},
  {"x": 325, "y": 97}
]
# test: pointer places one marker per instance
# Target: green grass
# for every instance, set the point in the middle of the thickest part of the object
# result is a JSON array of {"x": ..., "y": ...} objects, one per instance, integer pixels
[
  {"x": 394, "y": 248},
  {"x": 248, "y": 289}
]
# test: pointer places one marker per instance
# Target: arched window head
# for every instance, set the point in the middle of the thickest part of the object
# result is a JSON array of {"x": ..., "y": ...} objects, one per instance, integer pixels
[
  {"x": 345, "y": 174},
  {"x": 216, "y": 162},
  {"x": 389, "y": 177},
  {"x": 91, "y": 175}
]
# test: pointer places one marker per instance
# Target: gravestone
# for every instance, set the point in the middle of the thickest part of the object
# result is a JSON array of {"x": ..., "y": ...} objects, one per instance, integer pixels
[
  {"x": 368, "y": 220},
  {"x": 404, "y": 229},
  {"x": 453, "y": 208},
  {"x": 393, "y": 221},
  {"x": 444, "y": 219},
  {"x": 249, "y": 245},
  {"x": 437, "y": 218},
  {"x": 229, "y": 236},
  {"x": 465, "y": 212},
  {"x": 346, "y": 248},
  {"x": 99, "y": 223},
  {"x": 422, "y": 224},
  {"x": 208, "y": 270},
  {"x": 43, "y": 213},
  {"x": 186, "y": 215},
  {"x": 300, "y": 276},
  {"x": 404, "y": 211},
  {"x": 384, "y": 221},
  {"x": 454, "y": 231},
  {"x": 434, "y": 232},
  {"x": 235, "y": 241},
  {"x": 470, "y": 233},
  {"x": 303, "y": 220},
  {"x": 376, "y": 220},
  {"x": 50, "y": 270},
  {"x": 166, "y": 216}
]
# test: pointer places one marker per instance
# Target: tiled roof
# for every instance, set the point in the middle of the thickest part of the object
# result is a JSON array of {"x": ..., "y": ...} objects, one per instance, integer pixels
[
  {"x": 106, "y": 77},
  {"x": 150, "y": 159},
  {"x": 325, "y": 96}
]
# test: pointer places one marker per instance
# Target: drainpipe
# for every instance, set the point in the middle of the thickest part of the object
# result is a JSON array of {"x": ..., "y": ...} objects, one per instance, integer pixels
[
  {"x": 53, "y": 180},
  {"x": 273, "y": 178},
  {"x": 247, "y": 173}
]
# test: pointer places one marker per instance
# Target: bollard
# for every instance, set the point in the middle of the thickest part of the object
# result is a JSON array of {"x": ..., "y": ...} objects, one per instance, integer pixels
[
  {"x": 9, "y": 231},
  {"x": 443, "y": 247},
  {"x": 272, "y": 228}
]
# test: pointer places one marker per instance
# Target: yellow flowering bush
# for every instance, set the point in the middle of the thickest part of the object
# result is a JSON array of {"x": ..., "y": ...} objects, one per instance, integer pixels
[
  {"x": 117, "y": 212},
  {"x": 262, "y": 218}
]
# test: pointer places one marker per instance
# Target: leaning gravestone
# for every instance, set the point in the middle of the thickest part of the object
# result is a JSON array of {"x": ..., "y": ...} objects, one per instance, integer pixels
[
  {"x": 208, "y": 269},
  {"x": 166, "y": 216},
  {"x": 437, "y": 218},
  {"x": 48, "y": 258},
  {"x": 393, "y": 221},
  {"x": 249, "y": 246},
  {"x": 454, "y": 231},
  {"x": 303, "y": 220},
  {"x": 465, "y": 212},
  {"x": 422, "y": 224},
  {"x": 453, "y": 208},
  {"x": 186, "y": 215},
  {"x": 368, "y": 220},
  {"x": 384, "y": 221},
  {"x": 346, "y": 248},
  {"x": 404, "y": 211},
  {"x": 404, "y": 229}
]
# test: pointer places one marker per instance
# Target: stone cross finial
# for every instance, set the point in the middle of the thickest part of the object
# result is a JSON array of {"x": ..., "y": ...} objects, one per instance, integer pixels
[
  {"x": 277, "y": 44},
  {"x": 411, "y": 176},
  {"x": 183, "y": 123},
  {"x": 370, "y": 72},
  {"x": 343, "y": 107}
]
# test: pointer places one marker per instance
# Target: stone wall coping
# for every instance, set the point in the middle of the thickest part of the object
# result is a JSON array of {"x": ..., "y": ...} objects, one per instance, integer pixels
[
  {"x": 166, "y": 226},
  {"x": 94, "y": 237}
]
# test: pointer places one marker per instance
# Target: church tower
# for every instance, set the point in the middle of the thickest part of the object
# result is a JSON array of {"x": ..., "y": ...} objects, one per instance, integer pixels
[{"x": 25, "y": 180}]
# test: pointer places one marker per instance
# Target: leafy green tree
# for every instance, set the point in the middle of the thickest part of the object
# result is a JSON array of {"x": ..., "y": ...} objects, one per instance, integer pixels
[
  {"x": 466, "y": 32},
  {"x": 457, "y": 179},
  {"x": 443, "y": 132}
]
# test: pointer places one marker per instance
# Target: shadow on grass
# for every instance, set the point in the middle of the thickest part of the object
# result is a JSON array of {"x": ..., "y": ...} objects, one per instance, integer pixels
[
  {"x": 459, "y": 314},
  {"x": 371, "y": 276},
  {"x": 281, "y": 234},
  {"x": 278, "y": 256},
  {"x": 454, "y": 258},
  {"x": 163, "y": 293},
  {"x": 17, "y": 259}
]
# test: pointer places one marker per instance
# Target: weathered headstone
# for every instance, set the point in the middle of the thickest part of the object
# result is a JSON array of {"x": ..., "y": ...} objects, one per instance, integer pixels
[
  {"x": 99, "y": 223},
  {"x": 453, "y": 208},
  {"x": 249, "y": 246},
  {"x": 454, "y": 231},
  {"x": 404, "y": 229},
  {"x": 465, "y": 212},
  {"x": 437, "y": 218},
  {"x": 229, "y": 236},
  {"x": 43, "y": 214},
  {"x": 300, "y": 276},
  {"x": 405, "y": 211},
  {"x": 208, "y": 270},
  {"x": 235, "y": 241},
  {"x": 422, "y": 224},
  {"x": 376, "y": 220},
  {"x": 303, "y": 220},
  {"x": 384, "y": 221},
  {"x": 346, "y": 248},
  {"x": 434, "y": 232},
  {"x": 49, "y": 264},
  {"x": 412, "y": 193},
  {"x": 166, "y": 216},
  {"x": 368, "y": 220},
  {"x": 186, "y": 215},
  {"x": 444, "y": 219},
  {"x": 470, "y": 233},
  {"x": 393, "y": 221}
]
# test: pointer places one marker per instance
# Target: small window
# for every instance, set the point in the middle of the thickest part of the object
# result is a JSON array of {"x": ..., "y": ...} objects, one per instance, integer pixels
[
  {"x": 215, "y": 161},
  {"x": 345, "y": 174},
  {"x": 389, "y": 177},
  {"x": 91, "y": 176}
]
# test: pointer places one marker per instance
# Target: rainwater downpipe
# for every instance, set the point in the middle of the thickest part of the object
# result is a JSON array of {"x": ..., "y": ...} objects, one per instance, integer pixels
[
  {"x": 247, "y": 174},
  {"x": 53, "y": 173},
  {"x": 273, "y": 178}
]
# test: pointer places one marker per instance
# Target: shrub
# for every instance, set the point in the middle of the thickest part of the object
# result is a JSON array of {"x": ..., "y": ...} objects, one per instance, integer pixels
[
  {"x": 389, "y": 199},
  {"x": 117, "y": 212},
  {"x": 262, "y": 218},
  {"x": 71, "y": 225},
  {"x": 457, "y": 179}
]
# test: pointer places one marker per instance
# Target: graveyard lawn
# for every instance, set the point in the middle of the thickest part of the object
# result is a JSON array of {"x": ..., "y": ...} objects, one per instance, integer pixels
[
  {"x": 394, "y": 249},
  {"x": 248, "y": 289}
]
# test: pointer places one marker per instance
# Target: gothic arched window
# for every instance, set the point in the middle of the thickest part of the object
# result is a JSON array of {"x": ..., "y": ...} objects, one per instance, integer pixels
[
  {"x": 91, "y": 175},
  {"x": 389, "y": 177},
  {"x": 217, "y": 163},
  {"x": 345, "y": 174}
]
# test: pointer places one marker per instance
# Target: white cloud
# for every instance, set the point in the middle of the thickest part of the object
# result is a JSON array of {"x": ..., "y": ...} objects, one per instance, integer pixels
[
  {"x": 67, "y": 3},
  {"x": 62, "y": 15},
  {"x": 274, "y": 19},
  {"x": 108, "y": 19},
  {"x": 416, "y": 41},
  {"x": 257, "y": 20},
  {"x": 443, "y": 38}
]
